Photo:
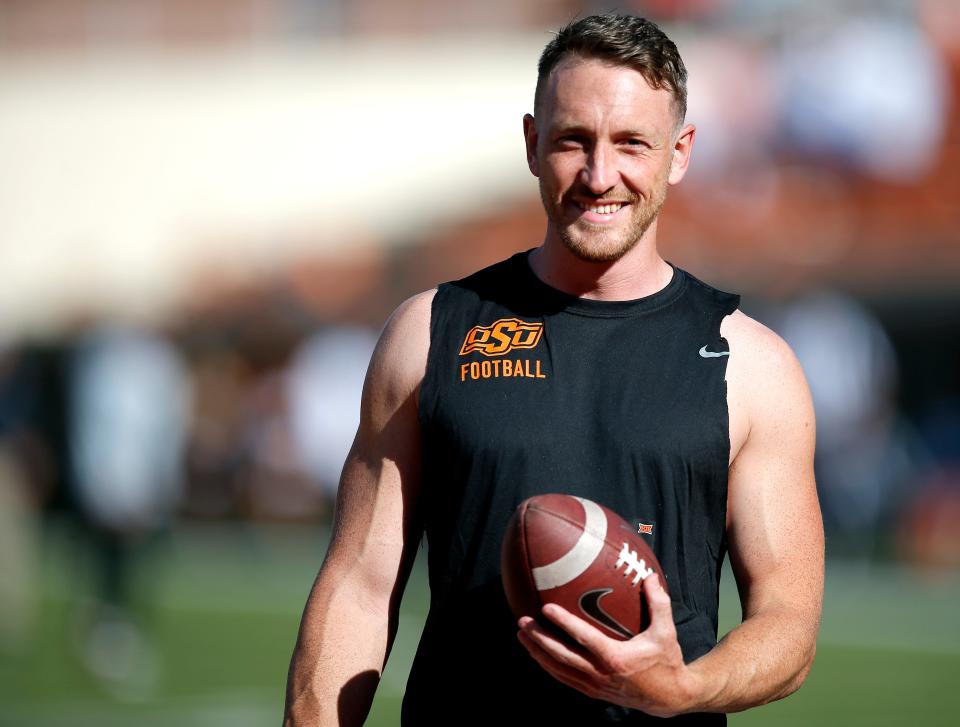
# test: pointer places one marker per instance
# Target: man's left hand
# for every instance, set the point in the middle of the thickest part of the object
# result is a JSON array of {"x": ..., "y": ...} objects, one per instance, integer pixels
[{"x": 646, "y": 672}]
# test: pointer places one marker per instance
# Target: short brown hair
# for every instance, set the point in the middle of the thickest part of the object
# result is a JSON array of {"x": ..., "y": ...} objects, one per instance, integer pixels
[{"x": 622, "y": 40}]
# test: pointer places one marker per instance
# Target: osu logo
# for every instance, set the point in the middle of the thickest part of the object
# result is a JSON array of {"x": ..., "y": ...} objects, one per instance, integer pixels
[{"x": 502, "y": 336}]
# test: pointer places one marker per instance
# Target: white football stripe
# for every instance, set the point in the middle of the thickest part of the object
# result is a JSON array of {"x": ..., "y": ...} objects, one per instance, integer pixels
[{"x": 576, "y": 560}]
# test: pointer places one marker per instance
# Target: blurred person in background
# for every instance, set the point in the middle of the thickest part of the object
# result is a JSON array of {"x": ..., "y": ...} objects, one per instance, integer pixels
[
  {"x": 129, "y": 398},
  {"x": 221, "y": 377},
  {"x": 867, "y": 454},
  {"x": 323, "y": 387},
  {"x": 274, "y": 482},
  {"x": 275, "y": 410},
  {"x": 856, "y": 63},
  {"x": 18, "y": 533},
  {"x": 624, "y": 400},
  {"x": 929, "y": 530},
  {"x": 26, "y": 483}
]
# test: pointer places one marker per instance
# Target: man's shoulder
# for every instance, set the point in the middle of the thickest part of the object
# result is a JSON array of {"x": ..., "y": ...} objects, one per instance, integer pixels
[
  {"x": 400, "y": 358},
  {"x": 414, "y": 311},
  {"x": 752, "y": 341},
  {"x": 762, "y": 368},
  {"x": 404, "y": 345},
  {"x": 767, "y": 393}
]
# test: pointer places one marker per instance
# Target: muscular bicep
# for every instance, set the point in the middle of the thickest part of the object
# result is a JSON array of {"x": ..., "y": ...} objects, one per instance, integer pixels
[
  {"x": 775, "y": 531},
  {"x": 376, "y": 526}
]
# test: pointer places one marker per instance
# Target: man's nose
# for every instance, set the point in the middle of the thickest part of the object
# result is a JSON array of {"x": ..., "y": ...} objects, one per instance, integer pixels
[{"x": 599, "y": 173}]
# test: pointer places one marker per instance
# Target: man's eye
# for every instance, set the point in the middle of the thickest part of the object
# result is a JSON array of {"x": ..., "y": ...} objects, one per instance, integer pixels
[{"x": 570, "y": 141}]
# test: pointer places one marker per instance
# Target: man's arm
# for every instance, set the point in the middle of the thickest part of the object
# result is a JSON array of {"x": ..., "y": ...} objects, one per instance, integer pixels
[
  {"x": 776, "y": 547},
  {"x": 350, "y": 618},
  {"x": 775, "y": 530}
]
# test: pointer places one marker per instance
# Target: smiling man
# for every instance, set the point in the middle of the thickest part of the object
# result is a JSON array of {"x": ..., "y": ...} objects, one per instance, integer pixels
[{"x": 589, "y": 366}]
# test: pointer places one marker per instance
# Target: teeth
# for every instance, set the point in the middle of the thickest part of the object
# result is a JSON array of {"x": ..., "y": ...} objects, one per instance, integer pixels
[{"x": 604, "y": 209}]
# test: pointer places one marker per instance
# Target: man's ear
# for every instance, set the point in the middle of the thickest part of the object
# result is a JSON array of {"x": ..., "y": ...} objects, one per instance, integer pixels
[
  {"x": 682, "y": 148},
  {"x": 530, "y": 139}
]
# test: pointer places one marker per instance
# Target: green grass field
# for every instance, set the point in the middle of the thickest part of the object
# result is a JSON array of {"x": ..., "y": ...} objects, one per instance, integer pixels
[{"x": 222, "y": 605}]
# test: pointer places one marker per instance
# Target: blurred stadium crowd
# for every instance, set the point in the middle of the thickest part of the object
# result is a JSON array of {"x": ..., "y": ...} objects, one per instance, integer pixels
[{"x": 825, "y": 187}]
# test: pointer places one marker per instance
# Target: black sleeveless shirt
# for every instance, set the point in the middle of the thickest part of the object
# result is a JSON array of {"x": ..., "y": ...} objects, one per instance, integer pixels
[{"x": 529, "y": 390}]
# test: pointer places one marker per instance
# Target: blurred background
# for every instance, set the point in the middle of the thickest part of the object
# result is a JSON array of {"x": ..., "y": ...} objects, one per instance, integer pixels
[{"x": 209, "y": 207}]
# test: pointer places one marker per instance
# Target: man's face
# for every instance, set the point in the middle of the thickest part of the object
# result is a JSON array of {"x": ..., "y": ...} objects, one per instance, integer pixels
[{"x": 604, "y": 146}]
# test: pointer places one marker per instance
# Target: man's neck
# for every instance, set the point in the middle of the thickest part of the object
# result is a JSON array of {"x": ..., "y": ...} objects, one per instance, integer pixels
[{"x": 639, "y": 273}]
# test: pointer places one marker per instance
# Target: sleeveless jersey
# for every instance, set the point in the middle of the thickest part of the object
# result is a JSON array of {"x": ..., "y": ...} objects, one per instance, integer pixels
[{"x": 529, "y": 390}]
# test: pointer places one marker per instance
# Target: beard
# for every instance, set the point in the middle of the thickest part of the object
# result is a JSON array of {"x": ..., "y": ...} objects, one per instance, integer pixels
[{"x": 600, "y": 243}]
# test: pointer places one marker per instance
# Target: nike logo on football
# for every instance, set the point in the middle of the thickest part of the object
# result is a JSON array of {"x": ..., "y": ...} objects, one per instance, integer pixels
[
  {"x": 712, "y": 354},
  {"x": 590, "y": 605}
]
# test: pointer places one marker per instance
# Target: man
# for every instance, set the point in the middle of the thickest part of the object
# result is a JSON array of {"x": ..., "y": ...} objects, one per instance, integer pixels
[{"x": 588, "y": 366}]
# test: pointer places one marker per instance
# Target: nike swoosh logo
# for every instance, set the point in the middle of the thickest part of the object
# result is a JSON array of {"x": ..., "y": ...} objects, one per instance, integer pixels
[
  {"x": 590, "y": 605},
  {"x": 712, "y": 354}
]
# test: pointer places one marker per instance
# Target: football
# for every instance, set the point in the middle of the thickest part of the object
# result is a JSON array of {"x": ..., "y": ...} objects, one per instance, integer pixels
[{"x": 576, "y": 553}]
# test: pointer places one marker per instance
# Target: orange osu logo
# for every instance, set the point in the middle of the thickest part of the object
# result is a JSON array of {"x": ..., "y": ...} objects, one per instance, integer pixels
[{"x": 501, "y": 337}]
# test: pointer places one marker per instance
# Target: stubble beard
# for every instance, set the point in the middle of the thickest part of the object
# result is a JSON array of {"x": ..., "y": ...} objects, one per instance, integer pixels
[{"x": 596, "y": 243}]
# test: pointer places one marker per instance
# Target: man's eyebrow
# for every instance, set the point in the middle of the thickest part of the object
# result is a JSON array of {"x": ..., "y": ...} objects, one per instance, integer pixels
[
  {"x": 566, "y": 128},
  {"x": 572, "y": 127}
]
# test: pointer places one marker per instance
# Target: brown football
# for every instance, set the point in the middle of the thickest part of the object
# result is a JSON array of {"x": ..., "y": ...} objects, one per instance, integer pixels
[{"x": 576, "y": 553}]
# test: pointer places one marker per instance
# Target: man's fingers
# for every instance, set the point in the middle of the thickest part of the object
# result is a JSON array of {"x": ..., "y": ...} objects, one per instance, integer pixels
[
  {"x": 604, "y": 653},
  {"x": 661, "y": 611},
  {"x": 583, "y": 633},
  {"x": 554, "y": 647}
]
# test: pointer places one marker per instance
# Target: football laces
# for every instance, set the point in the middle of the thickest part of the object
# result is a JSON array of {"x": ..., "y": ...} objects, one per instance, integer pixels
[{"x": 632, "y": 565}]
